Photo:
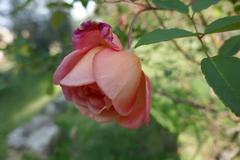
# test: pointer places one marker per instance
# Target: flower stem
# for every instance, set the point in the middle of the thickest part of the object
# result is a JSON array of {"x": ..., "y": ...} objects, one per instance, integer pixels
[{"x": 199, "y": 36}]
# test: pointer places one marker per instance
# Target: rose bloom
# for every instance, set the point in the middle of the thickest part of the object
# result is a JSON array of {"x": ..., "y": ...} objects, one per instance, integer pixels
[{"x": 104, "y": 82}]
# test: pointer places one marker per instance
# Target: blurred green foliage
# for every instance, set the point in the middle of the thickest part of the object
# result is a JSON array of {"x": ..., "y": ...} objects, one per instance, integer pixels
[
  {"x": 178, "y": 130},
  {"x": 19, "y": 102},
  {"x": 110, "y": 142}
]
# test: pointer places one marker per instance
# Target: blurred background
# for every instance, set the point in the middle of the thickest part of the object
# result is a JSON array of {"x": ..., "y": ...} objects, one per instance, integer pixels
[{"x": 188, "y": 121}]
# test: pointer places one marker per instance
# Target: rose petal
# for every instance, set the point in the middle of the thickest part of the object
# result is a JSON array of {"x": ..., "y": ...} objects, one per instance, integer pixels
[
  {"x": 82, "y": 73},
  {"x": 148, "y": 100},
  {"x": 117, "y": 44},
  {"x": 67, "y": 92},
  {"x": 118, "y": 74},
  {"x": 135, "y": 118},
  {"x": 106, "y": 115},
  {"x": 86, "y": 40},
  {"x": 79, "y": 101},
  {"x": 96, "y": 104},
  {"x": 84, "y": 111},
  {"x": 92, "y": 34},
  {"x": 67, "y": 64}
]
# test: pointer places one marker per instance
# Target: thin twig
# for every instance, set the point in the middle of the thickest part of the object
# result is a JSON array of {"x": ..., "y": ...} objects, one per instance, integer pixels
[
  {"x": 187, "y": 102},
  {"x": 177, "y": 99},
  {"x": 199, "y": 36},
  {"x": 126, "y": 1},
  {"x": 146, "y": 7},
  {"x": 182, "y": 51},
  {"x": 193, "y": 22},
  {"x": 204, "y": 22},
  {"x": 133, "y": 21}
]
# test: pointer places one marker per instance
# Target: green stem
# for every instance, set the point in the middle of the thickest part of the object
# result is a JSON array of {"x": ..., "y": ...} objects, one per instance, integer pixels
[
  {"x": 199, "y": 36},
  {"x": 204, "y": 47}
]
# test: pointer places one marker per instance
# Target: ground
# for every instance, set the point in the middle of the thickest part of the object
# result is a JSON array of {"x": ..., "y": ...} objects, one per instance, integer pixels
[{"x": 82, "y": 138}]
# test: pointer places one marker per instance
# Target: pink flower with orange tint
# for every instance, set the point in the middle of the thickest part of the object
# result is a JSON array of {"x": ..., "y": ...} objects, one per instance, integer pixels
[{"x": 105, "y": 82}]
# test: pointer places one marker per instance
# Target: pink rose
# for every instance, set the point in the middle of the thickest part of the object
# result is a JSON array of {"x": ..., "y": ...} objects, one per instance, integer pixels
[{"x": 103, "y": 81}]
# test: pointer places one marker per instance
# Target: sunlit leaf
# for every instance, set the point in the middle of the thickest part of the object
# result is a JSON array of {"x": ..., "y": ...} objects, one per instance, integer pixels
[
  {"x": 172, "y": 5},
  {"x": 160, "y": 35},
  {"x": 224, "y": 24},
  {"x": 223, "y": 75},
  {"x": 230, "y": 46},
  {"x": 199, "y": 5}
]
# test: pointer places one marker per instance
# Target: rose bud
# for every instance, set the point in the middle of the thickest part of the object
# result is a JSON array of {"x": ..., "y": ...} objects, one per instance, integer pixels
[{"x": 105, "y": 82}]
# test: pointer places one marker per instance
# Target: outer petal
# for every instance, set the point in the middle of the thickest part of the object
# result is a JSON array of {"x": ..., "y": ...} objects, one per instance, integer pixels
[
  {"x": 135, "y": 118},
  {"x": 118, "y": 74},
  {"x": 148, "y": 100},
  {"x": 82, "y": 73},
  {"x": 68, "y": 93},
  {"x": 91, "y": 34},
  {"x": 116, "y": 41},
  {"x": 86, "y": 40},
  {"x": 67, "y": 64}
]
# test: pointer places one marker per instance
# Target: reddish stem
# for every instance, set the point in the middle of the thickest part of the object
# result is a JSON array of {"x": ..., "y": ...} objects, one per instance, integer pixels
[
  {"x": 133, "y": 21},
  {"x": 126, "y": 1}
]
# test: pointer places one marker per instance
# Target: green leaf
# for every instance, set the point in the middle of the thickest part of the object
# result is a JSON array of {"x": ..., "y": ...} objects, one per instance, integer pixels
[
  {"x": 237, "y": 8},
  {"x": 230, "y": 46},
  {"x": 172, "y": 5},
  {"x": 84, "y": 3},
  {"x": 57, "y": 19},
  {"x": 52, "y": 5},
  {"x": 59, "y": 4},
  {"x": 223, "y": 25},
  {"x": 199, "y": 5},
  {"x": 223, "y": 75},
  {"x": 160, "y": 35},
  {"x": 234, "y": 1},
  {"x": 50, "y": 86}
]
